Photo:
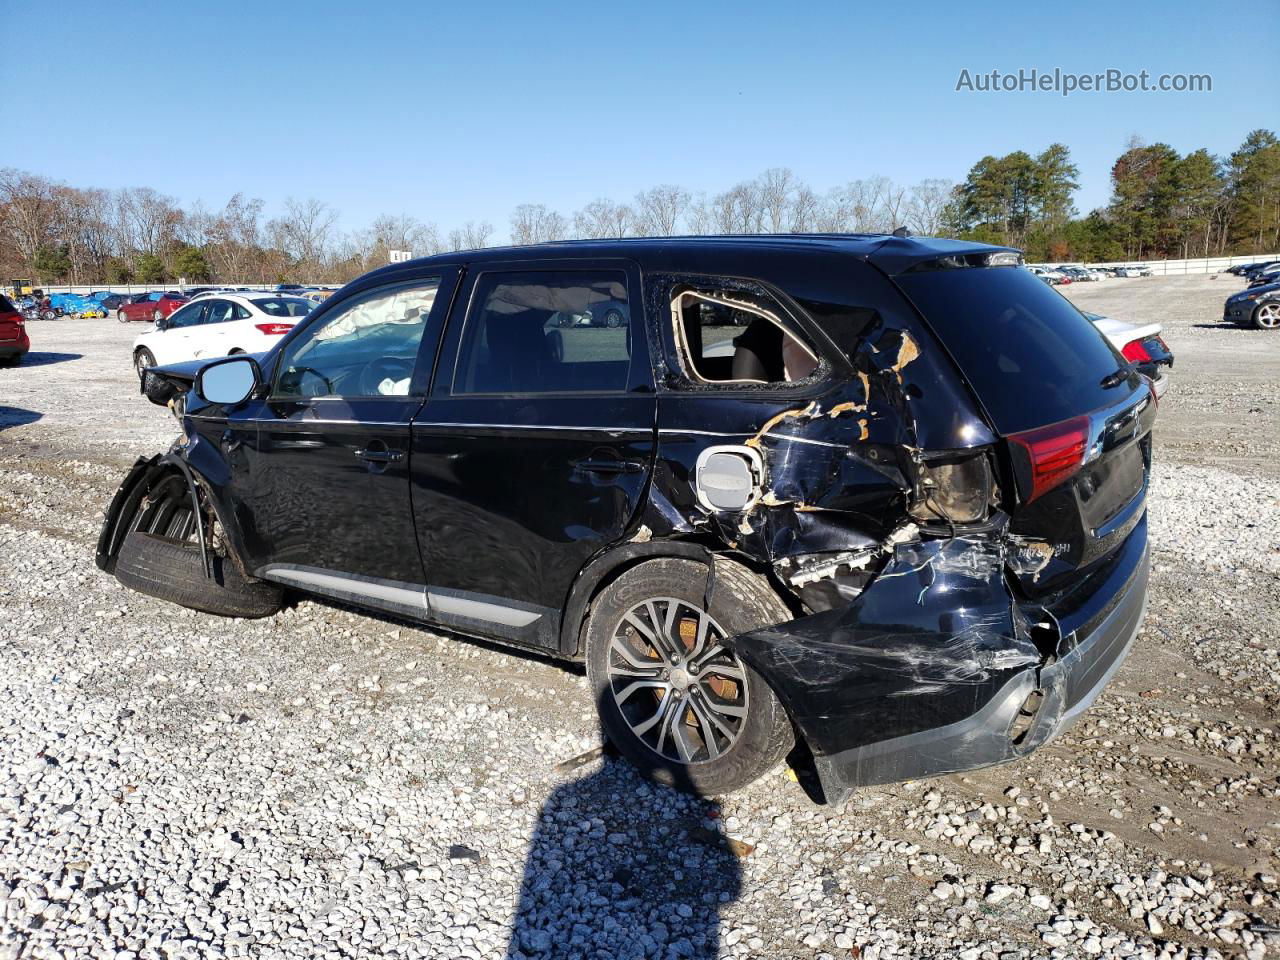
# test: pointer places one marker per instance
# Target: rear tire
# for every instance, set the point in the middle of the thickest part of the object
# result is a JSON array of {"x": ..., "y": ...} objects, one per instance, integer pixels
[
  {"x": 156, "y": 316},
  {"x": 747, "y": 747},
  {"x": 122, "y": 317},
  {"x": 171, "y": 570}
]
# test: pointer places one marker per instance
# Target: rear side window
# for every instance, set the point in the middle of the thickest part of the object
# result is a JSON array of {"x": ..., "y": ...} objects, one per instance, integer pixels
[
  {"x": 1032, "y": 358},
  {"x": 546, "y": 332},
  {"x": 285, "y": 306}
]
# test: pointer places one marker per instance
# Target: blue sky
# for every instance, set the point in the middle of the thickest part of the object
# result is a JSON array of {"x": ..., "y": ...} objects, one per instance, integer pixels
[{"x": 459, "y": 111}]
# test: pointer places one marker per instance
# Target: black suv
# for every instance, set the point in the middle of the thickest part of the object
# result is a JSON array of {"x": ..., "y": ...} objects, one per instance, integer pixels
[{"x": 883, "y": 494}]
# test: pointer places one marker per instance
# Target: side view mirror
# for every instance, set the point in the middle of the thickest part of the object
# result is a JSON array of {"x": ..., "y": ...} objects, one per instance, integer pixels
[{"x": 229, "y": 381}]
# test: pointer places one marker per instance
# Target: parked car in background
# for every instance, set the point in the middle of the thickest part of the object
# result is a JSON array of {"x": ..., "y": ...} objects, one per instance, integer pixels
[
  {"x": 1265, "y": 276},
  {"x": 154, "y": 306},
  {"x": 1249, "y": 271},
  {"x": 1051, "y": 276},
  {"x": 76, "y": 305},
  {"x": 1259, "y": 306},
  {"x": 1129, "y": 272},
  {"x": 905, "y": 521},
  {"x": 218, "y": 326},
  {"x": 14, "y": 342},
  {"x": 1140, "y": 344}
]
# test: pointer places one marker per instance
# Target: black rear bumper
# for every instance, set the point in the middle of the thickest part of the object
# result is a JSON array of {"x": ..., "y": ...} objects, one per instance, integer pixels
[{"x": 931, "y": 675}]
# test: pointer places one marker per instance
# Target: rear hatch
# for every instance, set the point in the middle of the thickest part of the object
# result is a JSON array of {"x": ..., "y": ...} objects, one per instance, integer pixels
[
  {"x": 10, "y": 321},
  {"x": 1074, "y": 420}
]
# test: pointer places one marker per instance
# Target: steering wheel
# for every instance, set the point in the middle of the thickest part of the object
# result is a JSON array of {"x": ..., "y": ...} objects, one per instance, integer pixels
[{"x": 383, "y": 368}]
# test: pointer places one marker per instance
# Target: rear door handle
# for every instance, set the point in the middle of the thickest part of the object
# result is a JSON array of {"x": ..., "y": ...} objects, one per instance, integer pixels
[
  {"x": 610, "y": 466},
  {"x": 380, "y": 456}
]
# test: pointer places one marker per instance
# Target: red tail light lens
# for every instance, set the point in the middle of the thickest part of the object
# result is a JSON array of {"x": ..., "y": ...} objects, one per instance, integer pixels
[
  {"x": 1135, "y": 352},
  {"x": 1055, "y": 452},
  {"x": 274, "y": 329}
]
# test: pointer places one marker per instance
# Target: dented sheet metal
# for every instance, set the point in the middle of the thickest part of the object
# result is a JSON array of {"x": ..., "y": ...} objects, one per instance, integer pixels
[{"x": 925, "y": 644}]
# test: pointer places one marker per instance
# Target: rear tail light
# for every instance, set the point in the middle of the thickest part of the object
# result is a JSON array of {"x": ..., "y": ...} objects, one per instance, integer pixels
[
  {"x": 1135, "y": 352},
  {"x": 1054, "y": 452},
  {"x": 274, "y": 329},
  {"x": 955, "y": 489}
]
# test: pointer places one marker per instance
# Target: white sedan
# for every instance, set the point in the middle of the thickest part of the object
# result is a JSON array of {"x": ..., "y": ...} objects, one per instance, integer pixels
[
  {"x": 218, "y": 326},
  {"x": 1140, "y": 344}
]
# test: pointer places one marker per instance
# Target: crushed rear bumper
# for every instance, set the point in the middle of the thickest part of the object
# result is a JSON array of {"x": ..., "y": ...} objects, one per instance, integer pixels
[{"x": 929, "y": 671}]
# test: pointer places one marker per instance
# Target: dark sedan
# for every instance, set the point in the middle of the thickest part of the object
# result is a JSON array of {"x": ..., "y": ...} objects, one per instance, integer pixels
[{"x": 1259, "y": 306}]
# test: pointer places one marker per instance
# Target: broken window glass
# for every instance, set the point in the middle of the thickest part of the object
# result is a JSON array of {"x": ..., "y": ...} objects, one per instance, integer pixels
[{"x": 730, "y": 336}]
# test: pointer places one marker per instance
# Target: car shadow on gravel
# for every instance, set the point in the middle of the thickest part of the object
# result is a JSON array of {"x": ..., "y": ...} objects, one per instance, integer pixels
[
  {"x": 44, "y": 358},
  {"x": 17, "y": 417},
  {"x": 620, "y": 867}
]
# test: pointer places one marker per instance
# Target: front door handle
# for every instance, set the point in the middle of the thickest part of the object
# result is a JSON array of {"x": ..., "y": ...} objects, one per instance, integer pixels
[
  {"x": 610, "y": 466},
  {"x": 380, "y": 456}
]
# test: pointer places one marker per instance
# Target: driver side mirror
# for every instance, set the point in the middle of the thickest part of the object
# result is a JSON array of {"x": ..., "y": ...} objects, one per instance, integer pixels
[{"x": 228, "y": 382}]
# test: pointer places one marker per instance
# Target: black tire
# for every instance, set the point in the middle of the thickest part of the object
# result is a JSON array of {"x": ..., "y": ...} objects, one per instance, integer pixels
[
  {"x": 156, "y": 316},
  {"x": 121, "y": 317},
  {"x": 143, "y": 358},
  {"x": 171, "y": 570},
  {"x": 50, "y": 314},
  {"x": 613, "y": 319},
  {"x": 741, "y": 601}
]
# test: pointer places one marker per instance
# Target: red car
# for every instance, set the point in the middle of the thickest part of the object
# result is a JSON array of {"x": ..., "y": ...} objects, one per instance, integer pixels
[
  {"x": 150, "y": 306},
  {"x": 14, "y": 341}
]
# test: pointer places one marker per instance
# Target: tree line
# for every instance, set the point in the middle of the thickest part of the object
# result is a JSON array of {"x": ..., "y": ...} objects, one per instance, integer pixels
[{"x": 1162, "y": 205}]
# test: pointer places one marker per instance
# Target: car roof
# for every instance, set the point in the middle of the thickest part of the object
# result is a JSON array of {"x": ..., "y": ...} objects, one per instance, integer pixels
[{"x": 891, "y": 253}]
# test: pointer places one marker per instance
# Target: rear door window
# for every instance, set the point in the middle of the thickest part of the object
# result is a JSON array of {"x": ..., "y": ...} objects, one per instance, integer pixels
[
  {"x": 547, "y": 332},
  {"x": 1032, "y": 357}
]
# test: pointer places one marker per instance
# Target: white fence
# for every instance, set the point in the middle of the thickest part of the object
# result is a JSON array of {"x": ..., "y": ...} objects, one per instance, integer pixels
[
  {"x": 146, "y": 287},
  {"x": 1179, "y": 268}
]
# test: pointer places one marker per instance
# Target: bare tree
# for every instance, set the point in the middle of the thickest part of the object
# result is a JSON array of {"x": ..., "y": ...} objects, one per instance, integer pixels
[
  {"x": 773, "y": 195},
  {"x": 658, "y": 210},
  {"x": 534, "y": 223},
  {"x": 603, "y": 218},
  {"x": 804, "y": 210},
  {"x": 470, "y": 236},
  {"x": 29, "y": 210},
  {"x": 927, "y": 205},
  {"x": 236, "y": 238},
  {"x": 83, "y": 228},
  {"x": 147, "y": 219},
  {"x": 303, "y": 231}
]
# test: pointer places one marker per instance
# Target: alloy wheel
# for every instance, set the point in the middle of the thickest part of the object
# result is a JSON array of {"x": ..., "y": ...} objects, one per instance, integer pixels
[
  {"x": 1267, "y": 316},
  {"x": 682, "y": 693}
]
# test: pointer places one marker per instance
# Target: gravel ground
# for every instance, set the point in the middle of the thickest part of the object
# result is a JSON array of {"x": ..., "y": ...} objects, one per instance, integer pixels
[{"x": 328, "y": 784}]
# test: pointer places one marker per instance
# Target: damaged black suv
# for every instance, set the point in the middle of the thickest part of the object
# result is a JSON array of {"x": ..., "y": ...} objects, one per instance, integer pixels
[{"x": 883, "y": 494}]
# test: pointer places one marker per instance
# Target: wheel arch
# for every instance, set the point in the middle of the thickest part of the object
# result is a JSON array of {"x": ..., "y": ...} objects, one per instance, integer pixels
[{"x": 608, "y": 567}]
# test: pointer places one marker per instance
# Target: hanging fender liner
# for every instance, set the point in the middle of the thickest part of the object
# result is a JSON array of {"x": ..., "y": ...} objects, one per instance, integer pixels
[{"x": 140, "y": 480}]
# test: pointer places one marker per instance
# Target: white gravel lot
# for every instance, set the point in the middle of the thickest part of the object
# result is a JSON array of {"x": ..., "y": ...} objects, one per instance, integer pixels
[{"x": 328, "y": 784}]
